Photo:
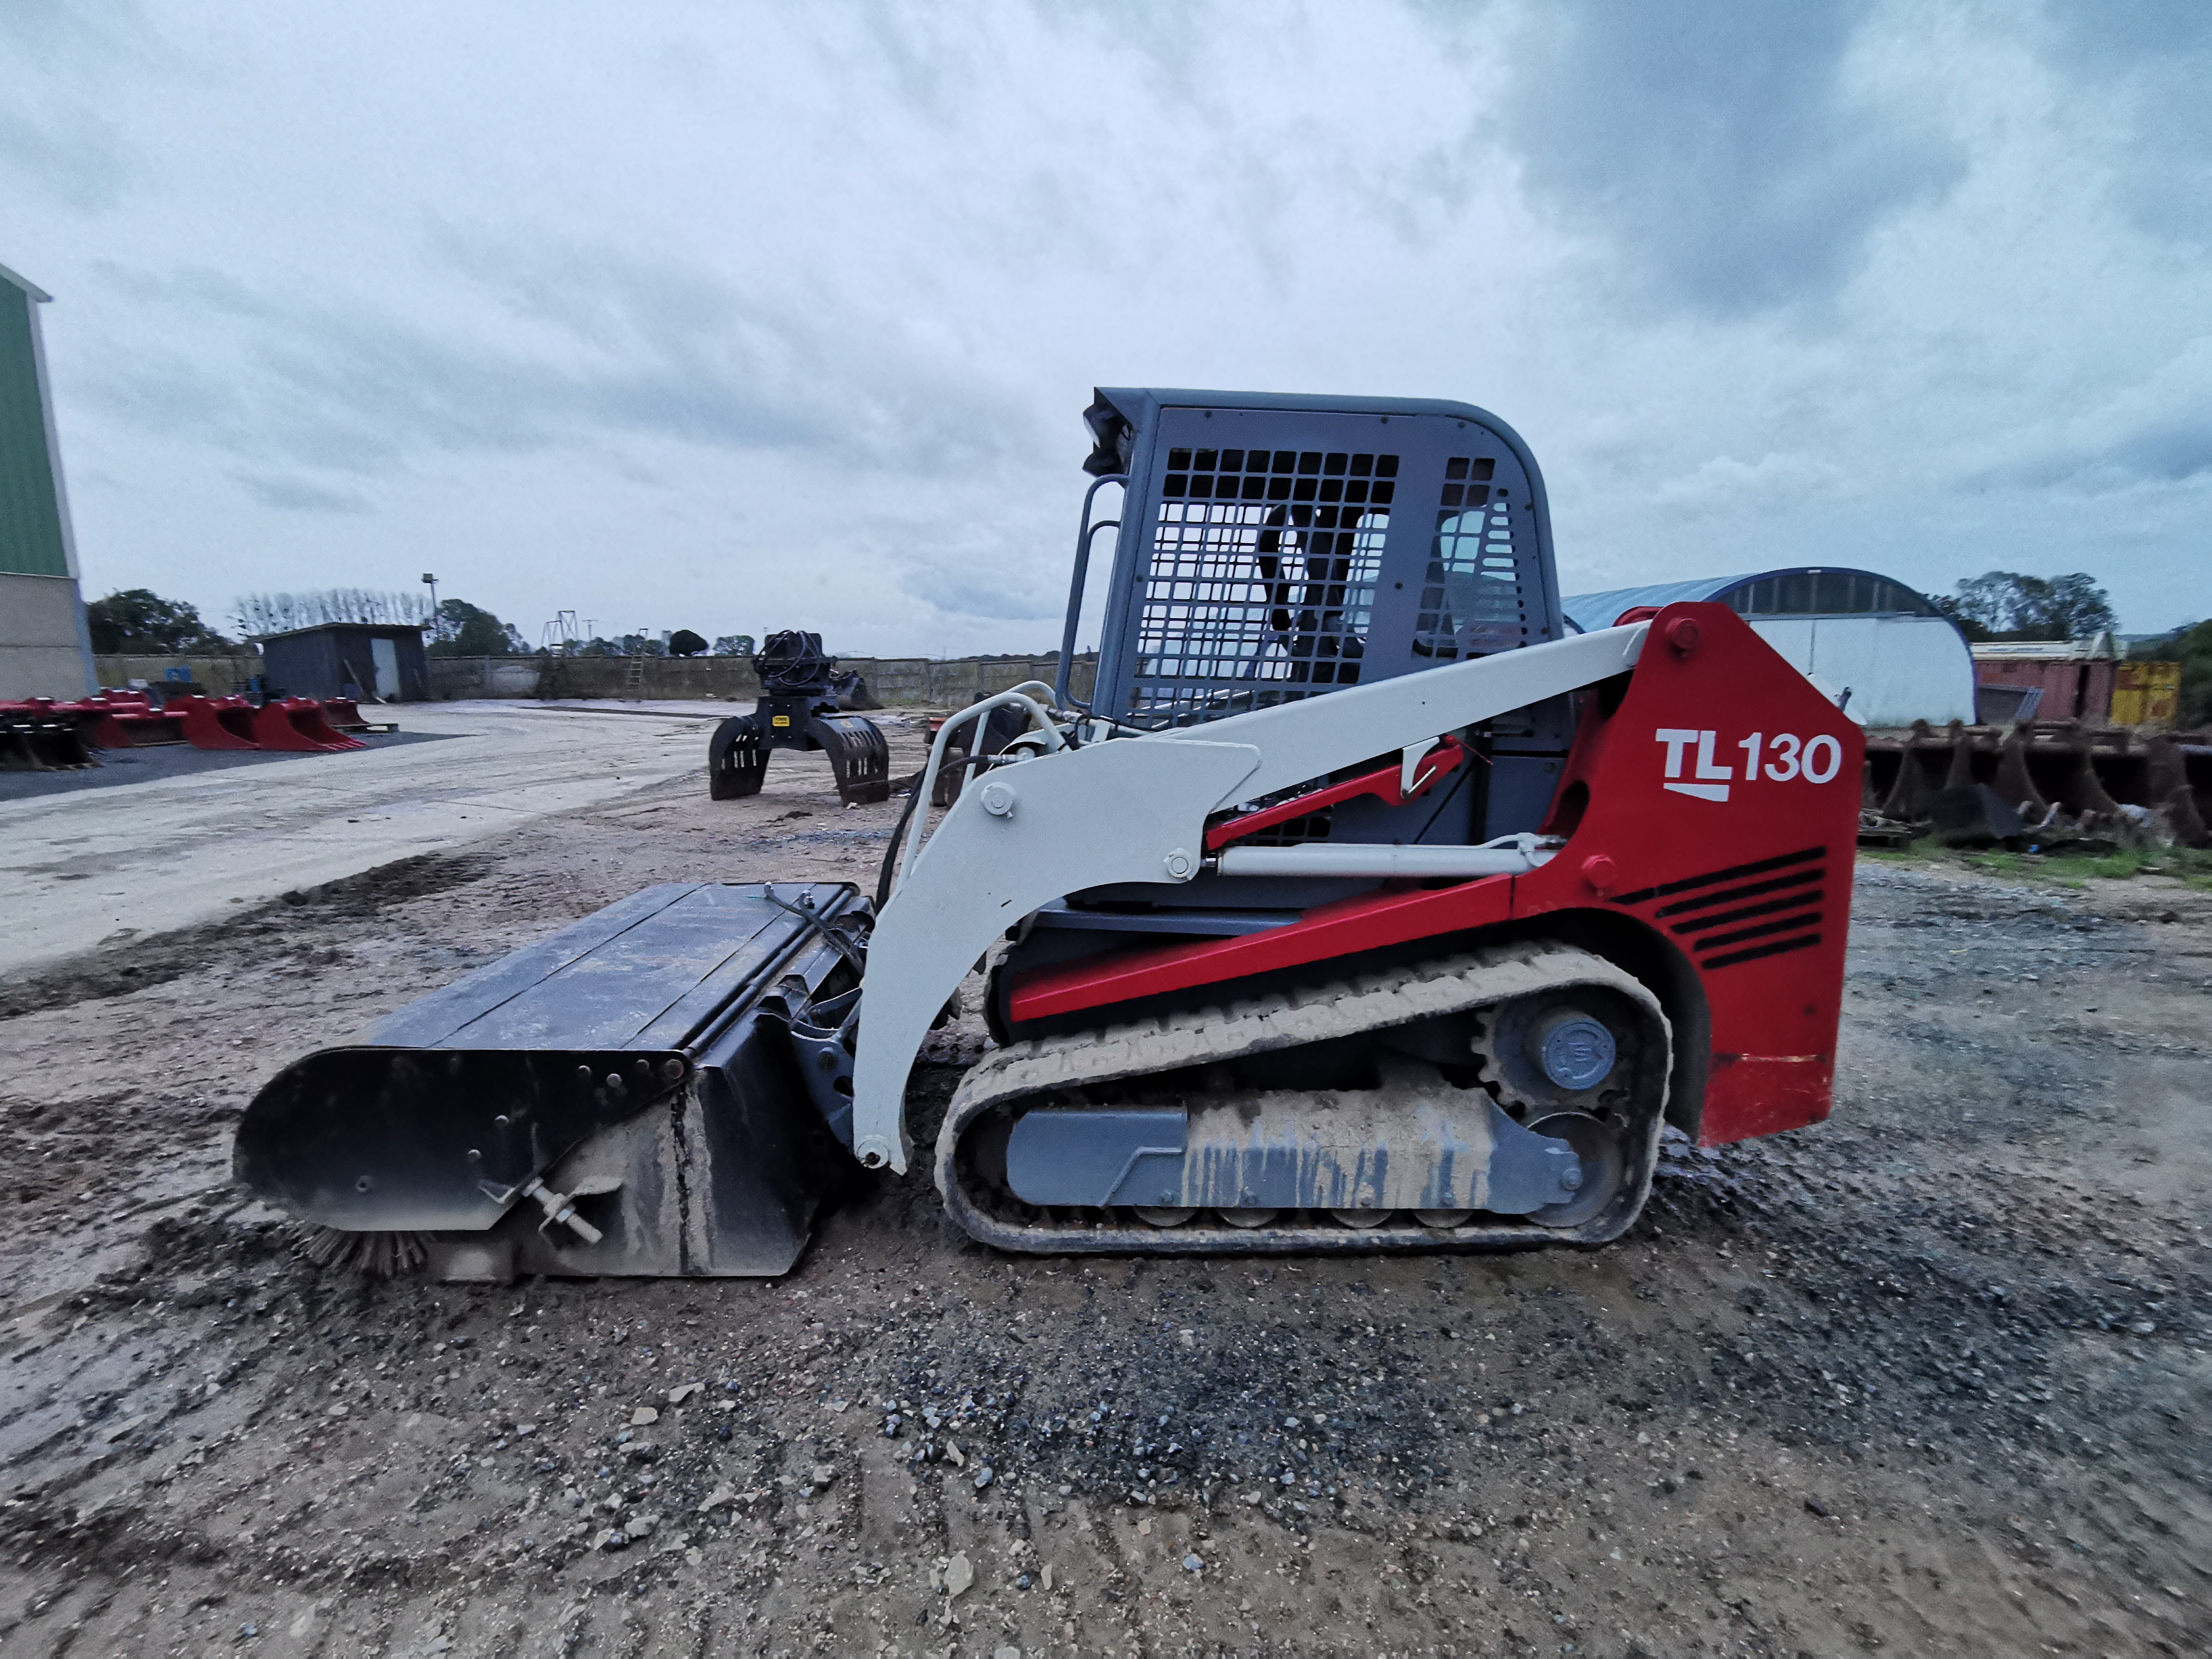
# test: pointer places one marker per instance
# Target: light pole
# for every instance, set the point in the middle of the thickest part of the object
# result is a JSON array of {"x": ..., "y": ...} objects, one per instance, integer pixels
[{"x": 430, "y": 581}]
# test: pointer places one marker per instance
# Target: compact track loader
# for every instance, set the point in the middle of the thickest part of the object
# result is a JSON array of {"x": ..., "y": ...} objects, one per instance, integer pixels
[{"x": 1363, "y": 905}]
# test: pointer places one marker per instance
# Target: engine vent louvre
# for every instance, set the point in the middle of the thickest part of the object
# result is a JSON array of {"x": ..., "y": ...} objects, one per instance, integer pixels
[{"x": 1747, "y": 912}]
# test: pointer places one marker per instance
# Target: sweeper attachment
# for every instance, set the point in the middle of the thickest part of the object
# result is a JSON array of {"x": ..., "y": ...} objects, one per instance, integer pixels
[
  {"x": 1361, "y": 907},
  {"x": 636, "y": 1094},
  {"x": 799, "y": 709}
]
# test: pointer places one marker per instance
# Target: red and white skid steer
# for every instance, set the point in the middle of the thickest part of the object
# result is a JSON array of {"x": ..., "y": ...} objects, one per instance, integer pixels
[{"x": 1361, "y": 905}]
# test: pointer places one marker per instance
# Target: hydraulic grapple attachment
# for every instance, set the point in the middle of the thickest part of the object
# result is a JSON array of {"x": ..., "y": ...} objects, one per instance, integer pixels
[
  {"x": 651, "y": 1090},
  {"x": 799, "y": 709},
  {"x": 736, "y": 755}
]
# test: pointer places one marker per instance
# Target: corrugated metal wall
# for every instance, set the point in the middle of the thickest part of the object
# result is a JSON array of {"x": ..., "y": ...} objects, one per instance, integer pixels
[
  {"x": 2078, "y": 690},
  {"x": 32, "y": 543}
]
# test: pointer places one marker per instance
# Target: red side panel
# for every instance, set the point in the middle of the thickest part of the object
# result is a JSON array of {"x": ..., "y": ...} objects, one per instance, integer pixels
[
  {"x": 1364, "y": 923},
  {"x": 1718, "y": 805}
]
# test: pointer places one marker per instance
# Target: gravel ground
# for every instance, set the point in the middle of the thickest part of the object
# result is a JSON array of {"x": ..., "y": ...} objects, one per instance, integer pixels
[{"x": 1930, "y": 1377}]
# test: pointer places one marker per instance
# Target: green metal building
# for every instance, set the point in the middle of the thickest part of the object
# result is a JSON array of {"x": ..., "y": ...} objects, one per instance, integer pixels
[{"x": 45, "y": 650}]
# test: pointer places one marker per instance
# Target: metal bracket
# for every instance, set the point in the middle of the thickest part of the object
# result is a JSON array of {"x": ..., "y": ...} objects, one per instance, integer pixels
[{"x": 825, "y": 1054}]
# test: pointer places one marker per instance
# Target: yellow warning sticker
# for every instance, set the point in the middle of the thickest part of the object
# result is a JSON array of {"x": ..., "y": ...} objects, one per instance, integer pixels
[{"x": 779, "y": 719}]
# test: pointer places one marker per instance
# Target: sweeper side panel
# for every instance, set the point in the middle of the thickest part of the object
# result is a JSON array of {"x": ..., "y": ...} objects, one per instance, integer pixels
[{"x": 625, "y": 1097}]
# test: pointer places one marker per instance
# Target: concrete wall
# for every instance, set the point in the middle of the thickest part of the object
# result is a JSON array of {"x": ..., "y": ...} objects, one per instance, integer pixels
[
  {"x": 484, "y": 677},
  {"x": 898, "y": 682},
  {"x": 42, "y": 640},
  {"x": 909, "y": 681},
  {"x": 217, "y": 676}
]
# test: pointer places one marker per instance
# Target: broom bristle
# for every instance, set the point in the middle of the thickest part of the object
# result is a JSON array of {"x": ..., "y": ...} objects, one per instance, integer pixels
[{"x": 378, "y": 1255}]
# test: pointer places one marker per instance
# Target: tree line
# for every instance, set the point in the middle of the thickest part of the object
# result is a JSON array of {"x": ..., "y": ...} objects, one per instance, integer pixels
[
  {"x": 138, "y": 622},
  {"x": 1998, "y": 604},
  {"x": 2004, "y": 604}
]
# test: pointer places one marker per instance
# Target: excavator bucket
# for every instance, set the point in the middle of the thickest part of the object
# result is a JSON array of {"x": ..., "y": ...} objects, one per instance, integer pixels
[
  {"x": 852, "y": 693},
  {"x": 128, "y": 720},
  {"x": 344, "y": 715},
  {"x": 215, "y": 722},
  {"x": 659, "y": 1088},
  {"x": 298, "y": 723},
  {"x": 858, "y": 756},
  {"x": 16, "y": 753},
  {"x": 41, "y": 737}
]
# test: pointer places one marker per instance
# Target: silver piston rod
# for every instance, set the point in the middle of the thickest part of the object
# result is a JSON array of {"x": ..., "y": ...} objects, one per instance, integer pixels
[{"x": 1508, "y": 855}]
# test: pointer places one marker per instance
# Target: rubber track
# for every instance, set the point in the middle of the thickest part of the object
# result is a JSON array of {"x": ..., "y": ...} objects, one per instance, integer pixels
[{"x": 1289, "y": 1019}]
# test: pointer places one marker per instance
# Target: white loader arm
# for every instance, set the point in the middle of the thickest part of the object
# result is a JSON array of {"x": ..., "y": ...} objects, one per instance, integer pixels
[{"x": 1135, "y": 809}]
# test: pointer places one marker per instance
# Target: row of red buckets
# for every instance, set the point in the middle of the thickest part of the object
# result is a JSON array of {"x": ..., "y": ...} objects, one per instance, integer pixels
[{"x": 40, "y": 733}]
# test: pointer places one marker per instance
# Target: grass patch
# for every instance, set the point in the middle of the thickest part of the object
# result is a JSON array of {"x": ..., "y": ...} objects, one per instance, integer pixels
[{"x": 2193, "y": 865}]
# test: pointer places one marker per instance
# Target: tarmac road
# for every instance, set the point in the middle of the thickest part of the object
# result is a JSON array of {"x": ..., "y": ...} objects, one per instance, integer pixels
[{"x": 84, "y": 866}]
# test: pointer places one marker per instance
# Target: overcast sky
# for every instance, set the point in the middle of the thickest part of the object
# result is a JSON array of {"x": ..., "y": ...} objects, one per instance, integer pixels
[{"x": 739, "y": 318}]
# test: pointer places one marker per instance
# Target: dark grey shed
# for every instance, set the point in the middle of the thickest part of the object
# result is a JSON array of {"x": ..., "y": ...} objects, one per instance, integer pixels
[{"x": 383, "y": 661}]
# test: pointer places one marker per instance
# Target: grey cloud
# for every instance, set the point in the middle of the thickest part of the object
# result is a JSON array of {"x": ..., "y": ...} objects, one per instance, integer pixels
[
  {"x": 77, "y": 39},
  {"x": 75, "y": 159},
  {"x": 57, "y": 133},
  {"x": 807, "y": 300},
  {"x": 606, "y": 347},
  {"x": 2168, "y": 450},
  {"x": 1716, "y": 144},
  {"x": 976, "y": 565},
  {"x": 985, "y": 601},
  {"x": 297, "y": 495},
  {"x": 2147, "y": 64}
]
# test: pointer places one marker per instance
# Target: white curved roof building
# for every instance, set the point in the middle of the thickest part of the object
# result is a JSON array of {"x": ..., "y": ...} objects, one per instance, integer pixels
[{"x": 1867, "y": 641}]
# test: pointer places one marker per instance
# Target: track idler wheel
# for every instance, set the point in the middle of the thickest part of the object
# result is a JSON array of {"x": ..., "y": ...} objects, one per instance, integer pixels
[{"x": 1605, "y": 1167}]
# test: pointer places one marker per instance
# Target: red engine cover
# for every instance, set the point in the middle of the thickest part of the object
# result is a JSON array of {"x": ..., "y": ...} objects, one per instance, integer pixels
[
  {"x": 1723, "y": 800},
  {"x": 1718, "y": 805}
]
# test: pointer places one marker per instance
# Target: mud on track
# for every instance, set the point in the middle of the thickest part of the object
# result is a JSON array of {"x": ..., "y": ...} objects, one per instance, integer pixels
[{"x": 1929, "y": 1378}]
